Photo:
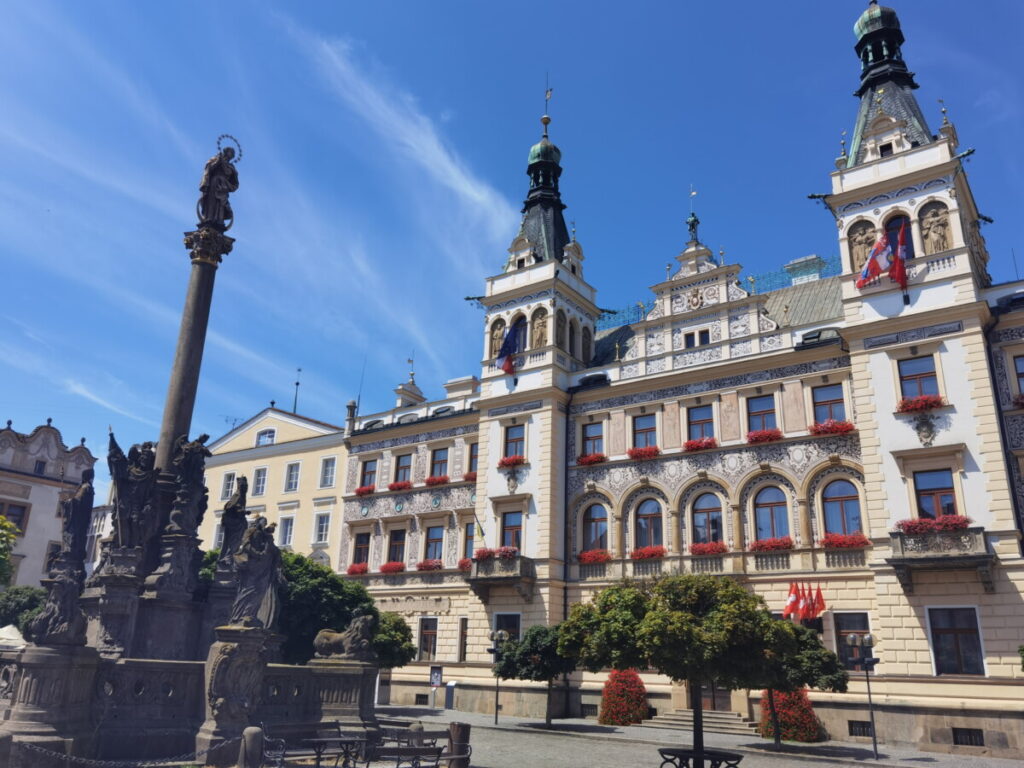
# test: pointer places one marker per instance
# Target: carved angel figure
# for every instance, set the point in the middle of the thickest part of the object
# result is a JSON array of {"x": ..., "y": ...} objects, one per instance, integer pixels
[
  {"x": 190, "y": 500},
  {"x": 134, "y": 479}
]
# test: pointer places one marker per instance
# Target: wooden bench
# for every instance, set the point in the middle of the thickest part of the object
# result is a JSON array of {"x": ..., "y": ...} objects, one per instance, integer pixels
[
  {"x": 403, "y": 757},
  {"x": 681, "y": 757}
]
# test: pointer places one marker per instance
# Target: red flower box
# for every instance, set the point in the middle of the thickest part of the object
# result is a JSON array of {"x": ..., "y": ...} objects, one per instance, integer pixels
[
  {"x": 466, "y": 564},
  {"x": 709, "y": 548},
  {"x": 700, "y": 444},
  {"x": 763, "y": 436},
  {"x": 645, "y": 453},
  {"x": 594, "y": 556},
  {"x": 655, "y": 552},
  {"x": 365, "y": 490},
  {"x": 590, "y": 458},
  {"x": 401, "y": 485},
  {"x": 432, "y": 564},
  {"x": 845, "y": 541},
  {"x": 927, "y": 525},
  {"x": 507, "y": 462},
  {"x": 778, "y": 544},
  {"x": 920, "y": 404},
  {"x": 507, "y": 553},
  {"x": 438, "y": 480},
  {"x": 483, "y": 554},
  {"x": 394, "y": 566},
  {"x": 469, "y": 477},
  {"x": 831, "y": 427},
  {"x": 357, "y": 569},
  {"x": 1018, "y": 401}
]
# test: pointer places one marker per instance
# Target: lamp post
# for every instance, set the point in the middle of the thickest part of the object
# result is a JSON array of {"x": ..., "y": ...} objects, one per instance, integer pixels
[
  {"x": 497, "y": 639},
  {"x": 867, "y": 642}
]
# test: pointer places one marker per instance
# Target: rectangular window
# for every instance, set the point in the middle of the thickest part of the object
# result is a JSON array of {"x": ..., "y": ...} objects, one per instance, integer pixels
[
  {"x": 955, "y": 641},
  {"x": 593, "y": 438},
  {"x": 761, "y": 412},
  {"x": 509, "y": 622},
  {"x": 849, "y": 624},
  {"x": 700, "y": 422},
  {"x": 828, "y": 403},
  {"x": 690, "y": 340},
  {"x": 291, "y": 477},
  {"x": 218, "y": 537},
  {"x": 361, "y": 548},
  {"x": 40, "y": 468},
  {"x": 512, "y": 529},
  {"x": 368, "y": 476},
  {"x": 515, "y": 440},
  {"x": 327, "y": 467},
  {"x": 403, "y": 468},
  {"x": 265, "y": 437},
  {"x": 917, "y": 376},
  {"x": 474, "y": 456},
  {"x": 463, "y": 638},
  {"x": 439, "y": 462},
  {"x": 469, "y": 546},
  {"x": 428, "y": 639},
  {"x": 704, "y": 337},
  {"x": 435, "y": 543},
  {"x": 285, "y": 532},
  {"x": 885, "y": 150},
  {"x": 322, "y": 529},
  {"x": 645, "y": 431},
  {"x": 16, "y": 514},
  {"x": 259, "y": 481},
  {"x": 1018, "y": 369},
  {"x": 228, "y": 486},
  {"x": 935, "y": 494},
  {"x": 396, "y": 546}
]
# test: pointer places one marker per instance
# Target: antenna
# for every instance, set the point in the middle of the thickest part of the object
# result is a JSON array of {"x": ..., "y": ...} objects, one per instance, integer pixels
[
  {"x": 693, "y": 194},
  {"x": 1014, "y": 257},
  {"x": 359, "y": 396},
  {"x": 295, "y": 402},
  {"x": 411, "y": 360}
]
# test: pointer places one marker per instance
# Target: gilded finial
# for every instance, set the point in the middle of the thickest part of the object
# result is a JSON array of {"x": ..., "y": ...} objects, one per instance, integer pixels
[
  {"x": 545, "y": 119},
  {"x": 878, "y": 99},
  {"x": 412, "y": 371},
  {"x": 945, "y": 116}
]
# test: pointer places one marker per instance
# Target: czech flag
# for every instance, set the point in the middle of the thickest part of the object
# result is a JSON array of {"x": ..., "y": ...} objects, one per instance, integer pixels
[
  {"x": 898, "y": 270},
  {"x": 510, "y": 347},
  {"x": 878, "y": 261}
]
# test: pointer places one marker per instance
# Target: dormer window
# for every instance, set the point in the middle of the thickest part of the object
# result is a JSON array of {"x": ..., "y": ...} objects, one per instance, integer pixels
[
  {"x": 572, "y": 268},
  {"x": 520, "y": 263},
  {"x": 265, "y": 437},
  {"x": 885, "y": 150}
]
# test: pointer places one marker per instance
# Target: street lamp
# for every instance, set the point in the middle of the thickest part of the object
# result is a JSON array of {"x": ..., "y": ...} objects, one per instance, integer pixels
[
  {"x": 866, "y": 642},
  {"x": 497, "y": 639}
]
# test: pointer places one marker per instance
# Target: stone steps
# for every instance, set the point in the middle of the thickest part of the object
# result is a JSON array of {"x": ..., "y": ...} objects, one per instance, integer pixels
[{"x": 714, "y": 722}]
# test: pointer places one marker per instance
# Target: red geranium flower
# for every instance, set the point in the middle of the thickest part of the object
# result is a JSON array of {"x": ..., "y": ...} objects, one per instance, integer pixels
[
  {"x": 507, "y": 462},
  {"x": 394, "y": 566},
  {"x": 357, "y": 569},
  {"x": 655, "y": 552},
  {"x": 920, "y": 403},
  {"x": 365, "y": 490},
  {"x": 777, "y": 544},
  {"x": 645, "y": 453},
  {"x": 590, "y": 458},
  {"x": 708, "y": 548},
  {"x": 700, "y": 444},
  {"x": 763, "y": 436},
  {"x": 400, "y": 485},
  {"x": 437, "y": 480},
  {"x": 831, "y": 427}
]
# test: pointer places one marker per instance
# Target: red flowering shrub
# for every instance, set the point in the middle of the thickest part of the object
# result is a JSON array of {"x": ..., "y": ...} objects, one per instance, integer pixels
[
  {"x": 831, "y": 427},
  {"x": 771, "y": 545},
  {"x": 708, "y": 548},
  {"x": 928, "y": 525},
  {"x": 763, "y": 436},
  {"x": 437, "y": 480},
  {"x": 590, "y": 458},
  {"x": 797, "y": 720},
  {"x": 1018, "y": 401},
  {"x": 507, "y": 462},
  {"x": 642, "y": 454},
  {"x": 394, "y": 566},
  {"x": 469, "y": 477},
  {"x": 400, "y": 485},
  {"x": 483, "y": 554},
  {"x": 594, "y": 556},
  {"x": 624, "y": 698},
  {"x": 357, "y": 569},
  {"x": 845, "y": 541},
  {"x": 700, "y": 444},
  {"x": 365, "y": 490},
  {"x": 920, "y": 403},
  {"x": 655, "y": 552},
  {"x": 431, "y": 564},
  {"x": 507, "y": 553},
  {"x": 466, "y": 564}
]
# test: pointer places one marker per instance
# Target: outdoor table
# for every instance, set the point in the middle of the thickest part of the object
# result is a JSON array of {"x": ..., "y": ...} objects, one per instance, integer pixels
[
  {"x": 681, "y": 757},
  {"x": 349, "y": 749}
]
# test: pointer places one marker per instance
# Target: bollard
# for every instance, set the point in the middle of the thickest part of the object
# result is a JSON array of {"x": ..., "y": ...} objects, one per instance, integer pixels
[
  {"x": 250, "y": 753},
  {"x": 458, "y": 743},
  {"x": 415, "y": 740}
]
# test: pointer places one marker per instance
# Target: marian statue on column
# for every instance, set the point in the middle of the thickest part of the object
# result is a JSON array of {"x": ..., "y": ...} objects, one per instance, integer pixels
[{"x": 220, "y": 179}]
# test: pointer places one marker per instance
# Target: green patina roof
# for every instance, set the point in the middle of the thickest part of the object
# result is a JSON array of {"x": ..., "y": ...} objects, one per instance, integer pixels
[
  {"x": 545, "y": 151},
  {"x": 874, "y": 18}
]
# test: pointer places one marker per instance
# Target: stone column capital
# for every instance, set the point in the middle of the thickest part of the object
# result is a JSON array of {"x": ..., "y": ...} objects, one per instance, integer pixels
[{"x": 208, "y": 246}]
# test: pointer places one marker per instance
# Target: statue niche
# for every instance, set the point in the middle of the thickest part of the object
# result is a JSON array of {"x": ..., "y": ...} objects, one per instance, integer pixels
[
  {"x": 539, "y": 329},
  {"x": 934, "y": 220},
  {"x": 860, "y": 238},
  {"x": 497, "y": 337},
  {"x": 560, "y": 326}
]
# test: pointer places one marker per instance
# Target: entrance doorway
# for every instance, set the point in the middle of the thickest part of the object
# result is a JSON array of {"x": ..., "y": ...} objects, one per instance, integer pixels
[{"x": 715, "y": 698}]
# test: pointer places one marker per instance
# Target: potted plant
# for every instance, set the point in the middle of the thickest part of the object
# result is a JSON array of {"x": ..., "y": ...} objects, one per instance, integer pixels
[
  {"x": 594, "y": 556},
  {"x": 357, "y": 569},
  {"x": 466, "y": 564},
  {"x": 430, "y": 564},
  {"x": 590, "y": 458},
  {"x": 654, "y": 552},
  {"x": 483, "y": 554},
  {"x": 920, "y": 404},
  {"x": 508, "y": 462},
  {"x": 831, "y": 427},
  {"x": 507, "y": 553},
  {"x": 400, "y": 485},
  {"x": 365, "y": 490},
  {"x": 469, "y": 477},
  {"x": 755, "y": 436},
  {"x": 777, "y": 544},
  {"x": 645, "y": 453},
  {"x": 845, "y": 541},
  {"x": 708, "y": 548},
  {"x": 437, "y": 480},
  {"x": 700, "y": 444},
  {"x": 392, "y": 566},
  {"x": 919, "y": 525}
]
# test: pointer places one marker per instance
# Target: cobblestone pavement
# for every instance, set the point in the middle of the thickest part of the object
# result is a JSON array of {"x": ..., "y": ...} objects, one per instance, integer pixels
[{"x": 577, "y": 743}]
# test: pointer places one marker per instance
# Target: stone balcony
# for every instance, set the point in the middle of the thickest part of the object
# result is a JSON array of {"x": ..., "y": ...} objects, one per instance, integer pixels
[
  {"x": 941, "y": 551},
  {"x": 519, "y": 572}
]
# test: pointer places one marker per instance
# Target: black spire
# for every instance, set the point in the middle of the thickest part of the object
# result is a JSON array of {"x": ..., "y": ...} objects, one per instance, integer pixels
[
  {"x": 886, "y": 84},
  {"x": 543, "y": 224}
]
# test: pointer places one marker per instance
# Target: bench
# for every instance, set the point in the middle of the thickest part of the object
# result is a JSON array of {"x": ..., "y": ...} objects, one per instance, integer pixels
[
  {"x": 403, "y": 757},
  {"x": 681, "y": 757},
  {"x": 329, "y": 743},
  {"x": 410, "y": 738}
]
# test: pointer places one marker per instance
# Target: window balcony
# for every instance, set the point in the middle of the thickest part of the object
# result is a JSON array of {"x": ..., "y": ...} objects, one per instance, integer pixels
[
  {"x": 941, "y": 551},
  {"x": 518, "y": 572}
]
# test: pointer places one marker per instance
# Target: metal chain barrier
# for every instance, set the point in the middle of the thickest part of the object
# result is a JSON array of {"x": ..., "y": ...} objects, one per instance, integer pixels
[{"x": 66, "y": 759}]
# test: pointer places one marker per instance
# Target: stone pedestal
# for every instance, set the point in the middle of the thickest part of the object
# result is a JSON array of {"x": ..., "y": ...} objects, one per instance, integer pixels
[
  {"x": 235, "y": 668},
  {"x": 346, "y": 688},
  {"x": 216, "y": 611},
  {"x": 110, "y": 602},
  {"x": 168, "y": 617}
]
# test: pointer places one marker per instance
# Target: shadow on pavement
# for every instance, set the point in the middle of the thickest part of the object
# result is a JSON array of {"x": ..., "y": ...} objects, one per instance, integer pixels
[
  {"x": 830, "y": 750},
  {"x": 570, "y": 728},
  {"x": 416, "y": 712}
]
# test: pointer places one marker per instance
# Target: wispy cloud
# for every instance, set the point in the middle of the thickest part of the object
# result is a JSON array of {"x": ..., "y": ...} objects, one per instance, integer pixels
[{"x": 78, "y": 388}]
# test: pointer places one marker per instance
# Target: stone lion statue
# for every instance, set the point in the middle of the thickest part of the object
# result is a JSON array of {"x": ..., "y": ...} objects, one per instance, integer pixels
[{"x": 354, "y": 643}]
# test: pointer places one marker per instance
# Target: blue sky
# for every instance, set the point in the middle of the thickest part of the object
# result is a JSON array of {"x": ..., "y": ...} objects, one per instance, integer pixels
[{"x": 384, "y": 167}]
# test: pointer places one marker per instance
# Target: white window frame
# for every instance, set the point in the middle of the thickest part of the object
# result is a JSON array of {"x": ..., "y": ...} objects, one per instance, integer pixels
[
  {"x": 227, "y": 485},
  {"x": 256, "y": 490},
  {"x": 437, "y": 633},
  {"x": 280, "y": 531},
  {"x": 273, "y": 437},
  {"x": 298, "y": 476},
  {"x": 931, "y": 648},
  {"x": 334, "y": 471},
  {"x": 218, "y": 535},
  {"x": 316, "y": 528}
]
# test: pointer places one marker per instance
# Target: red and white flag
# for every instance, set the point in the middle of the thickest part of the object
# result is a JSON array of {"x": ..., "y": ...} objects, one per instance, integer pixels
[
  {"x": 878, "y": 261},
  {"x": 819, "y": 603},
  {"x": 801, "y": 608},
  {"x": 898, "y": 270},
  {"x": 791, "y": 602}
]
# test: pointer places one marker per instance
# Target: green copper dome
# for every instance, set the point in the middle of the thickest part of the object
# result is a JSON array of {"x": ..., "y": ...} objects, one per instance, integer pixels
[
  {"x": 876, "y": 17},
  {"x": 545, "y": 152}
]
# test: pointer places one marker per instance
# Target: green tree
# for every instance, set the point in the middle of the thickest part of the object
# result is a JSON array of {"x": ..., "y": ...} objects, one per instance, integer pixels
[
  {"x": 602, "y": 633},
  {"x": 8, "y": 537},
  {"x": 393, "y": 641},
  {"x": 800, "y": 661},
  {"x": 534, "y": 657},
  {"x": 19, "y": 605}
]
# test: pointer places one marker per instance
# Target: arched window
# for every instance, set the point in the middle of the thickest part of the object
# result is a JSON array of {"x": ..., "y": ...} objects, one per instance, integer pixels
[
  {"x": 707, "y": 519},
  {"x": 842, "y": 507},
  {"x": 771, "y": 516},
  {"x": 519, "y": 326},
  {"x": 265, "y": 437},
  {"x": 595, "y": 527},
  {"x": 648, "y": 524},
  {"x": 585, "y": 353},
  {"x": 892, "y": 229},
  {"x": 497, "y": 337},
  {"x": 572, "y": 337}
]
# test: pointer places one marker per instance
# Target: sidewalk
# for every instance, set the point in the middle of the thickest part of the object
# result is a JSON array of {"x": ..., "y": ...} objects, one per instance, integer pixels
[{"x": 590, "y": 733}]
